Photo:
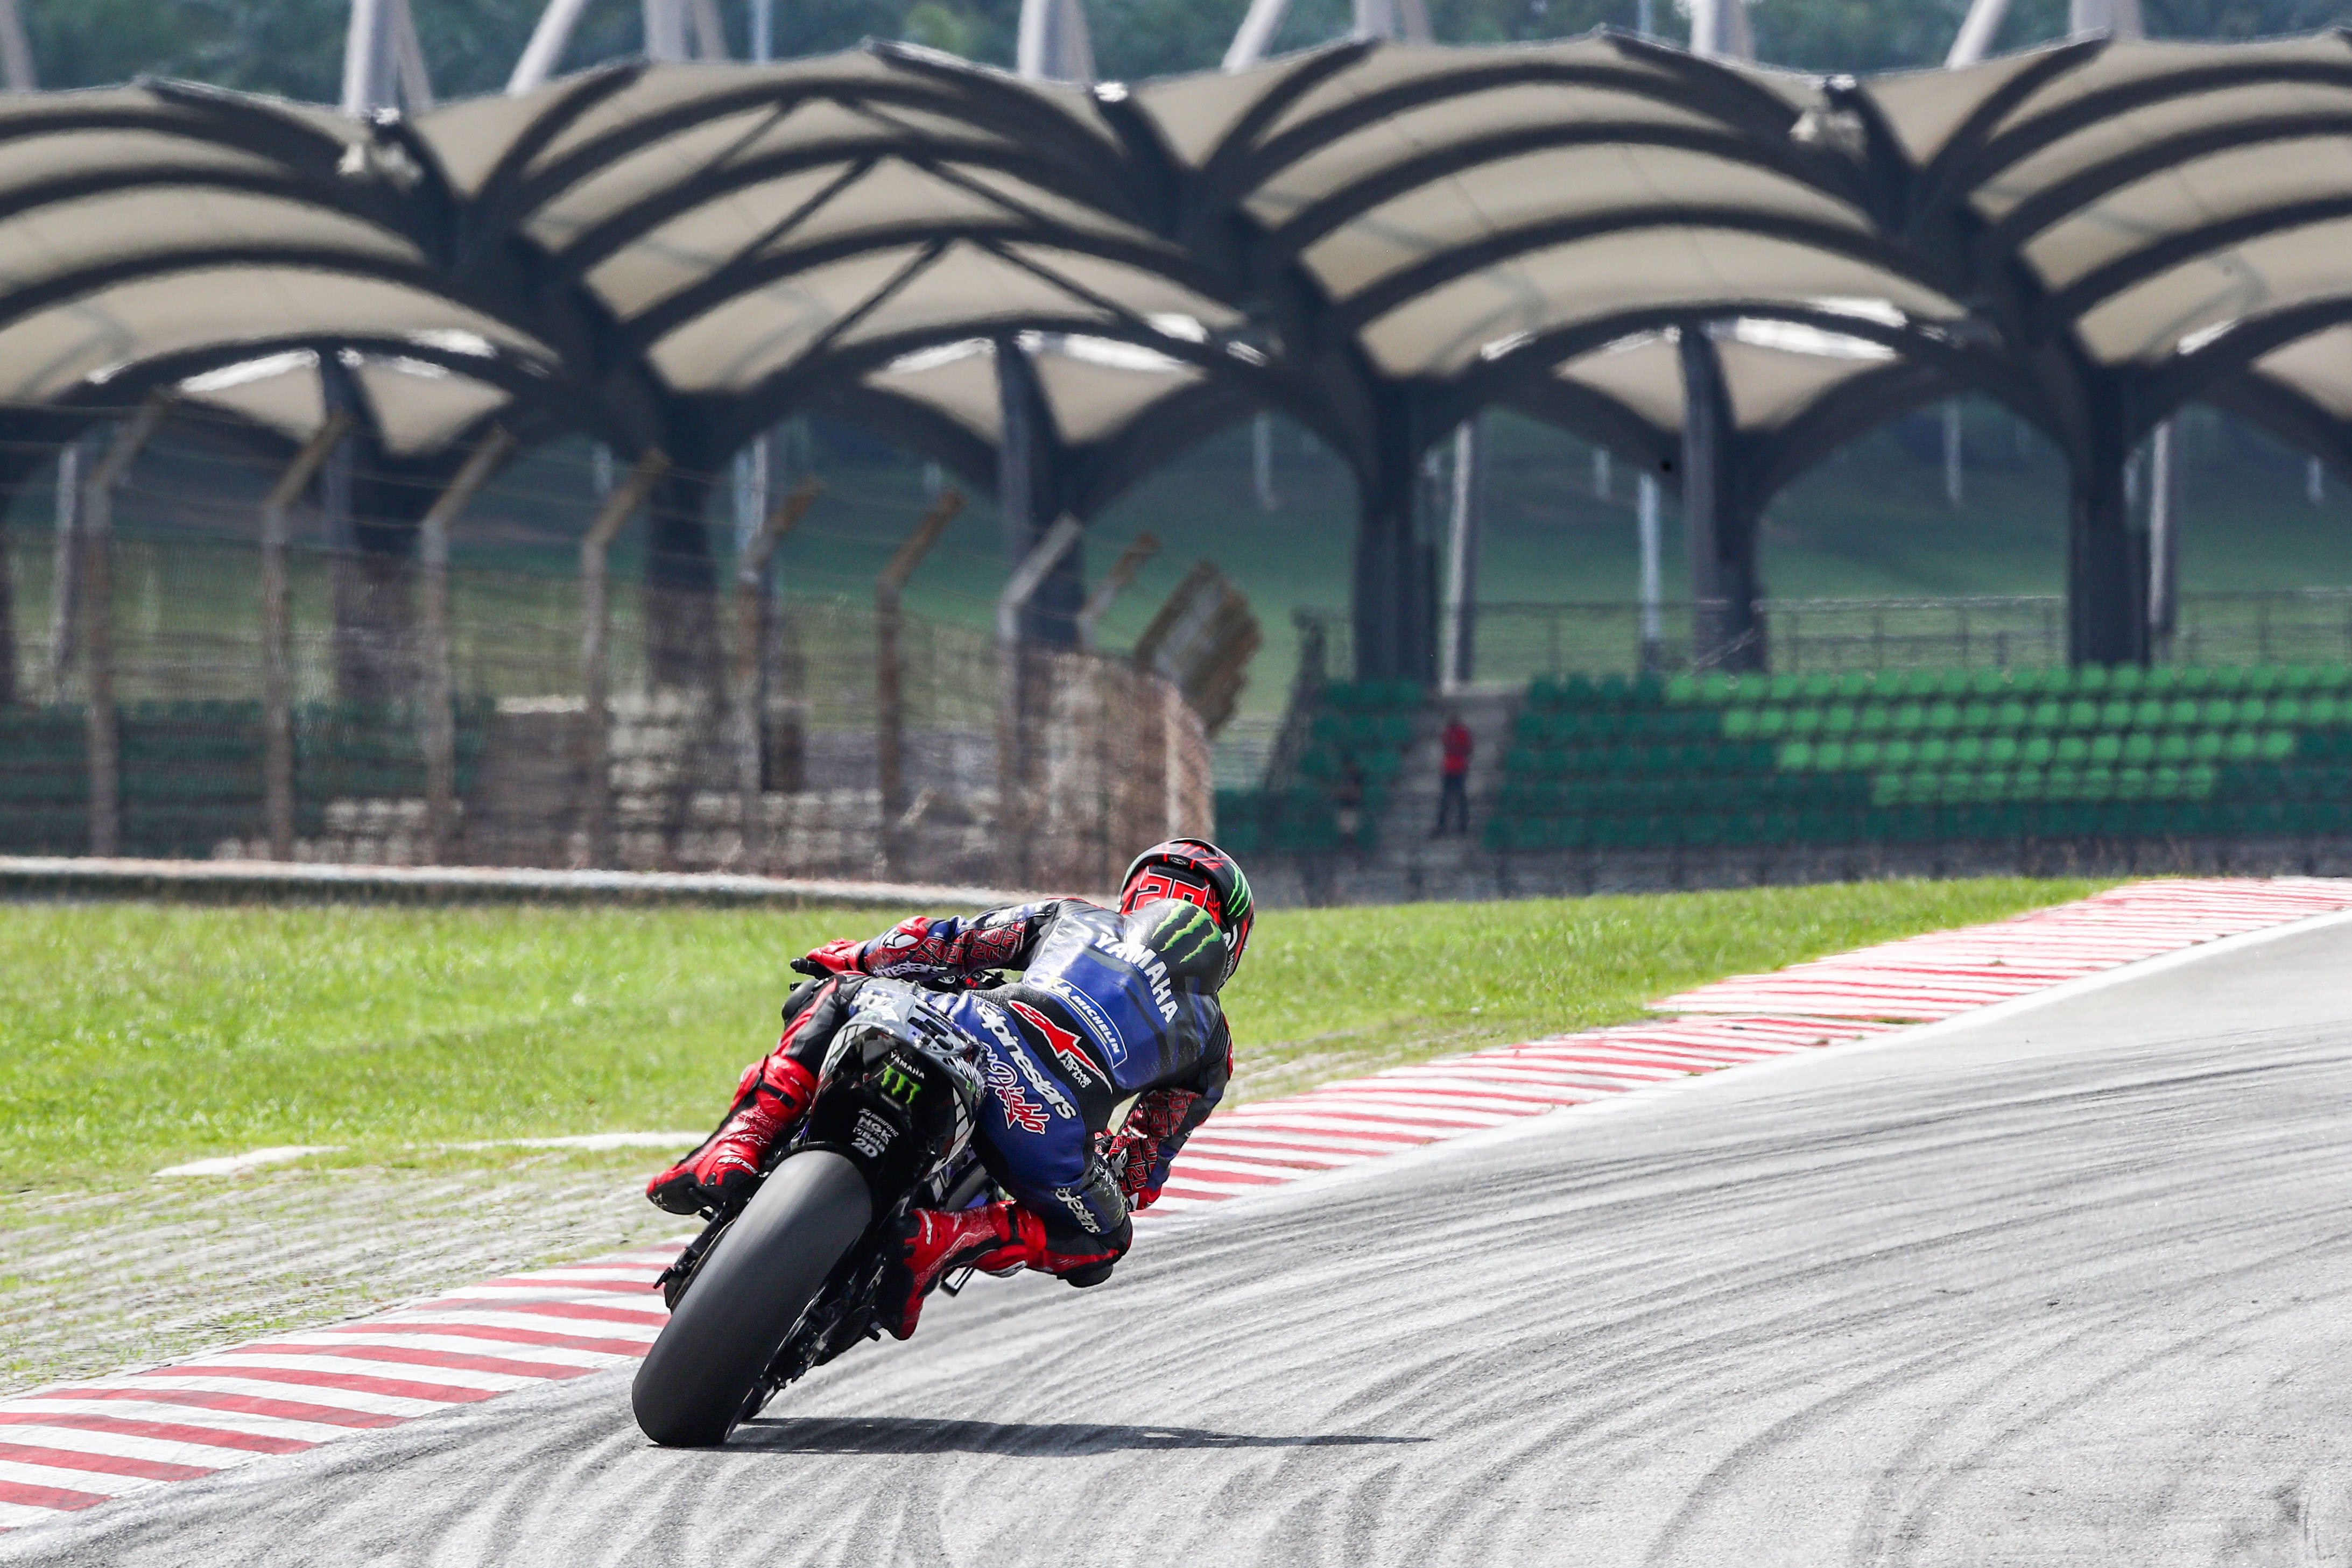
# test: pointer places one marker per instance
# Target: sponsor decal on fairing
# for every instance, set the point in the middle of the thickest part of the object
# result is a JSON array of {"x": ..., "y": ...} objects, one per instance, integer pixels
[{"x": 872, "y": 1135}]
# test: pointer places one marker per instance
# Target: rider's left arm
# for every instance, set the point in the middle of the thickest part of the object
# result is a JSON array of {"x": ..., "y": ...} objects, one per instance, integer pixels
[{"x": 1161, "y": 1118}]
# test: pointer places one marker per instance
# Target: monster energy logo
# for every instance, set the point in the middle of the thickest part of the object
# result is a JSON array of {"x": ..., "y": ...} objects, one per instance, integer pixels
[
  {"x": 900, "y": 1085},
  {"x": 1185, "y": 933}
]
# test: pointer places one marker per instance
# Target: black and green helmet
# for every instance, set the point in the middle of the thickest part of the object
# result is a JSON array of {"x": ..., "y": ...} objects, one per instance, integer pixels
[{"x": 1202, "y": 874}]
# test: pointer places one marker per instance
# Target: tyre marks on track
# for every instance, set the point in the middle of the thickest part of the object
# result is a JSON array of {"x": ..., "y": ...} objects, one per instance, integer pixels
[{"x": 75, "y": 1446}]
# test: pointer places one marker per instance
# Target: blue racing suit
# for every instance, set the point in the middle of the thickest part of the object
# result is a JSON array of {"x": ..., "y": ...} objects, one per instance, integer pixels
[{"x": 1106, "y": 1006}]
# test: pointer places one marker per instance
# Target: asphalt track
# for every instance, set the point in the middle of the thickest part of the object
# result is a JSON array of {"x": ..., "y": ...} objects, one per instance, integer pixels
[{"x": 2069, "y": 1283}]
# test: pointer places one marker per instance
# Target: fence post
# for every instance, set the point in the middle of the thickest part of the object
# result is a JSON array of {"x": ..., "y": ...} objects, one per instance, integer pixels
[
  {"x": 1013, "y": 694},
  {"x": 440, "y": 722},
  {"x": 1142, "y": 548},
  {"x": 749, "y": 695},
  {"x": 278, "y": 635},
  {"x": 889, "y": 695},
  {"x": 97, "y": 583},
  {"x": 595, "y": 721},
  {"x": 65, "y": 592}
]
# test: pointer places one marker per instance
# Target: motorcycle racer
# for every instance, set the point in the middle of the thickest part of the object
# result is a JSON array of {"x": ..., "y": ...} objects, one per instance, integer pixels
[{"x": 1108, "y": 1004}]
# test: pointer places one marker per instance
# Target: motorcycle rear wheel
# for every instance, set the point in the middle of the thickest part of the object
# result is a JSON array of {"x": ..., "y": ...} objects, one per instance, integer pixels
[{"x": 693, "y": 1387}]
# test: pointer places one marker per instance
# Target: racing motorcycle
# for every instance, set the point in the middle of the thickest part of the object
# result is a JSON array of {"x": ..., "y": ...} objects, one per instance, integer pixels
[{"x": 787, "y": 1282}]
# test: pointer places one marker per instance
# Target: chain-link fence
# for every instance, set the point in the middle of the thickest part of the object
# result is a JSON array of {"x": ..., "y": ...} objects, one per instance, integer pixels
[{"x": 770, "y": 762}]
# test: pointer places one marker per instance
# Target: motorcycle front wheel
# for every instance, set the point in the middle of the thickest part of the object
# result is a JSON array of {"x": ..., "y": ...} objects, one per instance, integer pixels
[{"x": 746, "y": 1297}]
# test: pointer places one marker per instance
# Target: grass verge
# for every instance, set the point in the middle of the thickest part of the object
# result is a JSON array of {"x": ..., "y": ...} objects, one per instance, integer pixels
[{"x": 135, "y": 1036}]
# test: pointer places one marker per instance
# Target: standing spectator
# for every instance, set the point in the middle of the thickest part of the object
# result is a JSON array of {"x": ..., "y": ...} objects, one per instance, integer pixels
[{"x": 1454, "y": 793}]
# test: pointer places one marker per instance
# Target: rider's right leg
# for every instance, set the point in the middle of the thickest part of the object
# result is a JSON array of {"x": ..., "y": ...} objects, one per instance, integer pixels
[{"x": 995, "y": 1238}]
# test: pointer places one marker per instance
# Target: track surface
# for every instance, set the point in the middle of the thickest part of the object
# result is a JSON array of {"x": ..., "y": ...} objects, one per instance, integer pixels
[{"x": 2072, "y": 1285}]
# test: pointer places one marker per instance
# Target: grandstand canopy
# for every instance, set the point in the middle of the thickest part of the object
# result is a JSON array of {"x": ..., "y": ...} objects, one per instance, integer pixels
[{"x": 1375, "y": 240}]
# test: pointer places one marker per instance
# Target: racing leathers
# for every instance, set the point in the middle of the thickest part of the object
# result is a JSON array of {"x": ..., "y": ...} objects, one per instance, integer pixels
[{"x": 1106, "y": 1006}]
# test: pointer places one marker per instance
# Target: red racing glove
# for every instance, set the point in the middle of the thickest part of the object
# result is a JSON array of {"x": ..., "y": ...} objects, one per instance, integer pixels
[
  {"x": 1131, "y": 1159},
  {"x": 839, "y": 956},
  {"x": 1134, "y": 1149}
]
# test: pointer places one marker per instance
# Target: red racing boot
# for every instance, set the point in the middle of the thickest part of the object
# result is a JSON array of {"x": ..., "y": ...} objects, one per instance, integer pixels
[
  {"x": 768, "y": 1102},
  {"x": 995, "y": 1238}
]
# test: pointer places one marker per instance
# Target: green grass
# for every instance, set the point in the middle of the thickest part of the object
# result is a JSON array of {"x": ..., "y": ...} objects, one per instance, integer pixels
[{"x": 134, "y": 1036}]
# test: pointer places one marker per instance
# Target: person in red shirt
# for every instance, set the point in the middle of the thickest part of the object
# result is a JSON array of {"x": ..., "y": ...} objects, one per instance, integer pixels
[{"x": 1453, "y": 796}]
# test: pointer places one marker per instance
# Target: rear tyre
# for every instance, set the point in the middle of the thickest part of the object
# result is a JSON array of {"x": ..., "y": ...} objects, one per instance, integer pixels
[{"x": 746, "y": 1297}]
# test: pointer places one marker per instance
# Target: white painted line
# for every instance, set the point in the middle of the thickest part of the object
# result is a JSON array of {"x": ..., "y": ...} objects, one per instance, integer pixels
[
  {"x": 65, "y": 1477},
  {"x": 229, "y": 1164}
]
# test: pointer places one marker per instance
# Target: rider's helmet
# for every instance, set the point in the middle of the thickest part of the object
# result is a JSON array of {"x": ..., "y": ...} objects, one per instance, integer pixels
[{"x": 1202, "y": 874}]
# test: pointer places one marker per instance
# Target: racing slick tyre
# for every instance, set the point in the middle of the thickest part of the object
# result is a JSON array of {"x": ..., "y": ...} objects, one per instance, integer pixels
[{"x": 746, "y": 1297}]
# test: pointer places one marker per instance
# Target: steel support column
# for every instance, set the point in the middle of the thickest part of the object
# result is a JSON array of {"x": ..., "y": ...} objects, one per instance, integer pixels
[
  {"x": 2107, "y": 559},
  {"x": 1395, "y": 608},
  {"x": 1029, "y": 473},
  {"x": 1726, "y": 633}
]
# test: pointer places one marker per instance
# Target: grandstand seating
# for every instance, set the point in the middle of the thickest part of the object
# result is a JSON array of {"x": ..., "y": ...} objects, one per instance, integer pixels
[
  {"x": 1365, "y": 724},
  {"x": 1927, "y": 756},
  {"x": 191, "y": 771}
]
